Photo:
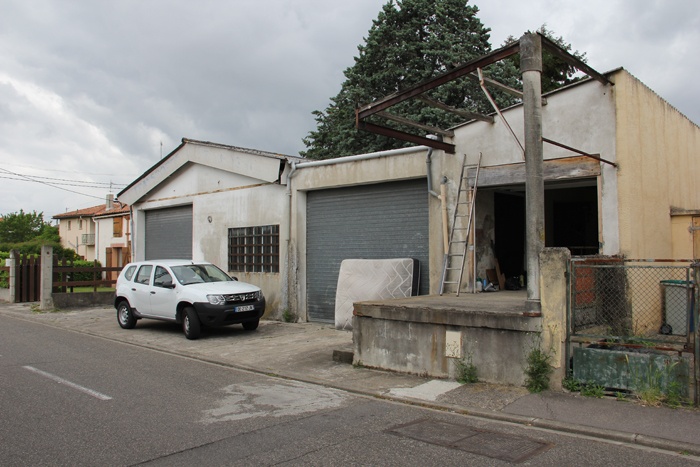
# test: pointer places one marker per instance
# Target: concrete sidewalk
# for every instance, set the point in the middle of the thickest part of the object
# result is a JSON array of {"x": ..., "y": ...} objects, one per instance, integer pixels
[{"x": 304, "y": 352}]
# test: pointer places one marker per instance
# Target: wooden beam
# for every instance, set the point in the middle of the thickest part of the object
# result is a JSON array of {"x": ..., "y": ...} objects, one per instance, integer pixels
[{"x": 553, "y": 169}]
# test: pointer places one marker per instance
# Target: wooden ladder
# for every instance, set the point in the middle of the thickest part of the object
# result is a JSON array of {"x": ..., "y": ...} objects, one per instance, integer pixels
[{"x": 461, "y": 241}]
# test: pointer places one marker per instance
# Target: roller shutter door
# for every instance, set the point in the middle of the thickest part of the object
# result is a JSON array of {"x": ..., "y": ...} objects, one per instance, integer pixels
[
  {"x": 169, "y": 233},
  {"x": 388, "y": 220}
]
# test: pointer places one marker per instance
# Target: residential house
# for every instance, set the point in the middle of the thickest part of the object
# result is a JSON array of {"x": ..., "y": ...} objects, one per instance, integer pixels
[
  {"x": 77, "y": 230},
  {"x": 98, "y": 233},
  {"x": 113, "y": 235}
]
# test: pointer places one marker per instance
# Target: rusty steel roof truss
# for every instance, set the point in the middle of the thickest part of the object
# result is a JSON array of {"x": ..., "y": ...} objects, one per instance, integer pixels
[{"x": 378, "y": 108}]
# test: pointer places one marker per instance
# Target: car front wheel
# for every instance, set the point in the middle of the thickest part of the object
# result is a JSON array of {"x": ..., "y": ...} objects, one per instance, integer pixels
[
  {"x": 190, "y": 323},
  {"x": 125, "y": 316},
  {"x": 251, "y": 325}
]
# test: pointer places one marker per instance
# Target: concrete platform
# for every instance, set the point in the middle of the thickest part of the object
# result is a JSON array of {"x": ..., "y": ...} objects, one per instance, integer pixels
[{"x": 433, "y": 335}]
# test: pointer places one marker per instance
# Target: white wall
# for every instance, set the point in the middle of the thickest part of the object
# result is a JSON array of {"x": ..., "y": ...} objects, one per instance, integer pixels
[{"x": 229, "y": 199}]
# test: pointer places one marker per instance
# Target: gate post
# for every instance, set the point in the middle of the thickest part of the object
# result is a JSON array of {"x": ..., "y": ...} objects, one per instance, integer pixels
[
  {"x": 554, "y": 337},
  {"x": 45, "y": 297},
  {"x": 696, "y": 312},
  {"x": 14, "y": 256}
]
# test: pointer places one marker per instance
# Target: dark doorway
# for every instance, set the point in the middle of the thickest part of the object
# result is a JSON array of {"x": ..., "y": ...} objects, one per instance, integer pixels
[
  {"x": 509, "y": 211},
  {"x": 571, "y": 221}
]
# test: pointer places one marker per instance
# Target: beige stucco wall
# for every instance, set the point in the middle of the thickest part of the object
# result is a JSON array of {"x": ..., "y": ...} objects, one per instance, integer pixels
[
  {"x": 73, "y": 238},
  {"x": 658, "y": 150}
]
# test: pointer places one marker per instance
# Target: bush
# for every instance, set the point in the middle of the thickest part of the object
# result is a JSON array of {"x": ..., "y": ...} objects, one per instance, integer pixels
[{"x": 538, "y": 370}]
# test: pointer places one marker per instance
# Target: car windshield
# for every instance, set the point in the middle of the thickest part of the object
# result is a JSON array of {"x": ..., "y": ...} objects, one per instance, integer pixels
[{"x": 198, "y": 273}]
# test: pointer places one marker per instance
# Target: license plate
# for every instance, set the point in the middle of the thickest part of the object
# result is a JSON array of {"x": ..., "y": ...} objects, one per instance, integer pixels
[{"x": 244, "y": 308}]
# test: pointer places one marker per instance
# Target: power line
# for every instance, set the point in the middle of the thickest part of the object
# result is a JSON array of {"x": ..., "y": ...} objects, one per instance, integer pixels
[
  {"x": 66, "y": 171},
  {"x": 101, "y": 185},
  {"x": 48, "y": 184}
]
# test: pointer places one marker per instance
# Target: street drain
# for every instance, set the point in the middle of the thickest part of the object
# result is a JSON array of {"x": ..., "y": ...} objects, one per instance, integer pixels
[{"x": 500, "y": 446}]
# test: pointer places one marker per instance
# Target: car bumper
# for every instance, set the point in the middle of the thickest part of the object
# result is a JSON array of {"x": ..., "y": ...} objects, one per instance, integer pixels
[{"x": 222, "y": 315}]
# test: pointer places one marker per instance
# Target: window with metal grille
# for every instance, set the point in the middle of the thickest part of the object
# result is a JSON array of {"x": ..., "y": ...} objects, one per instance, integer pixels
[{"x": 254, "y": 249}]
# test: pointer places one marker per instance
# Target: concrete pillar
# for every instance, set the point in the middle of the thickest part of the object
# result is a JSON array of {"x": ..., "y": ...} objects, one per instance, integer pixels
[
  {"x": 14, "y": 257},
  {"x": 553, "y": 267},
  {"x": 45, "y": 297},
  {"x": 531, "y": 68}
]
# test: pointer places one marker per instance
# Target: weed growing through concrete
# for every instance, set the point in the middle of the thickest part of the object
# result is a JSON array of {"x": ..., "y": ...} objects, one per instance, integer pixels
[
  {"x": 590, "y": 389},
  {"x": 466, "y": 371},
  {"x": 288, "y": 316},
  {"x": 538, "y": 370}
]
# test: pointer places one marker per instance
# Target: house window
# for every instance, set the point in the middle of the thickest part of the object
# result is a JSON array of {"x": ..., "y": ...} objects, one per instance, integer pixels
[
  {"x": 254, "y": 249},
  {"x": 117, "y": 227},
  {"x": 80, "y": 224},
  {"x": 68, "y": 225}
]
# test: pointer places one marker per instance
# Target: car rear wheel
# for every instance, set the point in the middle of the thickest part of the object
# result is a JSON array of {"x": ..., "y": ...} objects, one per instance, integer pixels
[
  {"x": 251, "y": 325},
  {"x": 190, "y": 323},
  {"x": 125, "y": 316}
]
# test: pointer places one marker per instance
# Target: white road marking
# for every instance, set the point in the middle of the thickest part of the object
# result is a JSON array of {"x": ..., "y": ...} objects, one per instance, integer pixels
[{"x": 59, "y": 380}]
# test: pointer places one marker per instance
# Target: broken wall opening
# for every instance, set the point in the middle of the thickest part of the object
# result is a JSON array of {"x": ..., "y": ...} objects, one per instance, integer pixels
[{"x": 571, "y": 221}]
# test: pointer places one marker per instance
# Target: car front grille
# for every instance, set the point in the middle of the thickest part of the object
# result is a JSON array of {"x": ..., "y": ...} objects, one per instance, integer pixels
[{"x": 241, "y": 297}]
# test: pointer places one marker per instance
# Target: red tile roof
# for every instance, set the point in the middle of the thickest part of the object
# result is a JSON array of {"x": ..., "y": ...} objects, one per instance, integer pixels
[{"x": 100, "y": 210}]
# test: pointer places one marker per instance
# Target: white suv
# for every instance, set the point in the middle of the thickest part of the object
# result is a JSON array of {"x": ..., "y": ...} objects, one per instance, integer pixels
[{"x": 187, "y": 292}]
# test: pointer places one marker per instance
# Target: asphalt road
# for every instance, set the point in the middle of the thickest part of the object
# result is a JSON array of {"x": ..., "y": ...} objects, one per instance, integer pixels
[{"x": 71, "y": 399}]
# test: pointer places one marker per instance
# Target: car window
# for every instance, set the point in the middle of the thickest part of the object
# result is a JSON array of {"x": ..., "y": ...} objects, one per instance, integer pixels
[
  {"x": 189, "y": 274},
  {"x": 162, "y": 277},
  {"x": 198, "y": 273},
  {"x": 129, "y": 273},
  {"x": 144, "y": 274}
]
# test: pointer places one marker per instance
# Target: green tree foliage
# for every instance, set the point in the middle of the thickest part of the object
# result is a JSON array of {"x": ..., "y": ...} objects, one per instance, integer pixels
[
  {"x": 409, "y": 42},
  {"x": 20, "y": 226},
  {"x": 28, "y": 232}
]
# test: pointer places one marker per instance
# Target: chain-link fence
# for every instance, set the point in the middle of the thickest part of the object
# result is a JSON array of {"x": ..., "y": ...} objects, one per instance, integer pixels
[{"x": 629, "y": 300}]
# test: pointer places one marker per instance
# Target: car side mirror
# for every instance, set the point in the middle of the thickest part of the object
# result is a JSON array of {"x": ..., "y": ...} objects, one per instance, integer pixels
[{"x": 234, "y": 278}]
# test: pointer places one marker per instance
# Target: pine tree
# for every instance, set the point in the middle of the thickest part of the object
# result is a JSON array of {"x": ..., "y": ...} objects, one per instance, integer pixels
[
  {"x": 409, "y": 42},
  {"x": 412, "y": 41}
]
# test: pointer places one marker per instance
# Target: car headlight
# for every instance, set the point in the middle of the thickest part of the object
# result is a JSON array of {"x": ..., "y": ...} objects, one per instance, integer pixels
[
  {"x": 216, "y": 299},
  {"x": 260, "y": 295}
]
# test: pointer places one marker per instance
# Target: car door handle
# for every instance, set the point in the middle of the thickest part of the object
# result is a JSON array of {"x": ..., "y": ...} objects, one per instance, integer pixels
[
  {"x": 133, "y": 290},
  {"x": 153, "y": 292}
]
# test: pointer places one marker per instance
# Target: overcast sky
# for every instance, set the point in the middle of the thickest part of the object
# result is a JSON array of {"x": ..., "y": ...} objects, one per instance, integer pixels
[{"x": 93, "y": 92}]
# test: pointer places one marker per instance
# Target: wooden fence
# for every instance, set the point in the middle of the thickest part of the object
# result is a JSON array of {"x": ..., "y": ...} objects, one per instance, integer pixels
[
  {"x": 67, "y": 276},
  {"x": 27, "y": 278}
]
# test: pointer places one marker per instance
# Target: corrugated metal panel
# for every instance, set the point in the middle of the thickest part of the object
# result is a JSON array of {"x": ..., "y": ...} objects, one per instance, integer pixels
[
  {"x": 388, "y": 220},
  {"x": 169, "y": 233}
]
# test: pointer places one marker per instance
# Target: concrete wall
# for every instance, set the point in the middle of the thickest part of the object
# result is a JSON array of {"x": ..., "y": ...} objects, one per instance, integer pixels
[
  {"x": 581, "y": 116},
  {"x": 428, "y": 340},
  {"x": 431, "y": 334},
  {"x": 657, "y": 150}
]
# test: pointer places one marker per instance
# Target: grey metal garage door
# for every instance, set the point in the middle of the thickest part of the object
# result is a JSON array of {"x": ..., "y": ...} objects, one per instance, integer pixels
[
  {"x": 169, "y": 233},
  {"x": 388, "y": 220}
]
